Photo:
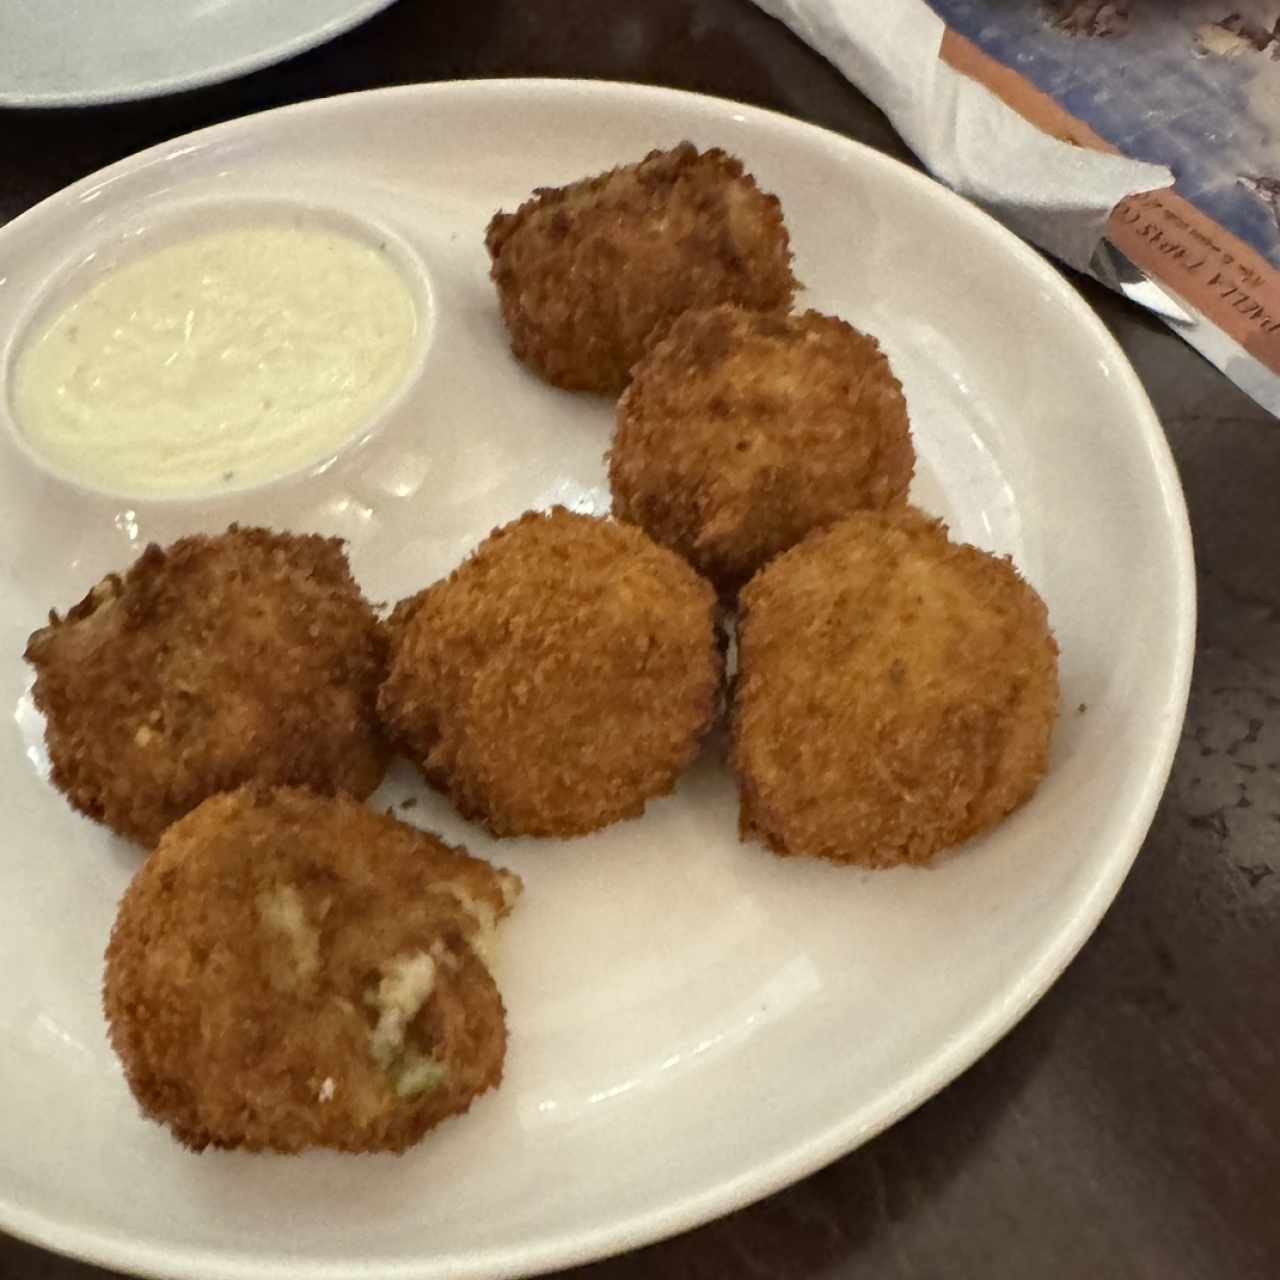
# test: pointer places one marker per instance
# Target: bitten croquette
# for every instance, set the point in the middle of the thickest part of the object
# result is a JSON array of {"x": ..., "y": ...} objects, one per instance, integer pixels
[
  {"x": 246, "y": 657},
  {"x": 290, "y": 971},
  {"x": 558, "y": 679},
  {"x": 742, "y": 432},
  {"x": 591, "y": 274},
  {"x": 896, "y": 693}
]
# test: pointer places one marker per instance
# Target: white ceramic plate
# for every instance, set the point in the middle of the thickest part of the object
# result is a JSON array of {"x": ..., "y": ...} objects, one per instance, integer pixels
[
  {"x": 694, "y": 1023},
  {"x": 65, "y": 53}
]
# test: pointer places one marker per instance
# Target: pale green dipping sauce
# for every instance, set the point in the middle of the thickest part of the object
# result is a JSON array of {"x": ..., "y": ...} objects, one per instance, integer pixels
[{"x": 218, "y": 363}]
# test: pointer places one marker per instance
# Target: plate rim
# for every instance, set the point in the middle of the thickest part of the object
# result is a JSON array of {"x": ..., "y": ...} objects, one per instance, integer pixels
[
  {"x": 359, "y": 12},
  {"x": 924, "y": 1081}
]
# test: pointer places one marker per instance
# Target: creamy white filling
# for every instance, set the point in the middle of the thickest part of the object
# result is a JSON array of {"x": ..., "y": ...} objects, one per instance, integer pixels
[
  {"x": 403, "y": 989},
  {"x": 482, "y": 914},
  {"x": 419, "y": 1073},
  {"x": 282, "y": 910},
  {"x": 401, "y": 993}
]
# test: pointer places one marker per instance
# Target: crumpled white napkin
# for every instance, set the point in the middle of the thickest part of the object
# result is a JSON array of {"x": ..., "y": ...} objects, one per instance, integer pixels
[{"x": 1050, "y": 192}]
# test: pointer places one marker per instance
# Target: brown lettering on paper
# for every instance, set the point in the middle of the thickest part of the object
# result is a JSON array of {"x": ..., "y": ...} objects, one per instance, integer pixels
[{"x": 1226, "y": 280}]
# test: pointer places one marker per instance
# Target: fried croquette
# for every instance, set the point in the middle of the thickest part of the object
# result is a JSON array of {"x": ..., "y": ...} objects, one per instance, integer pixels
[
  {"x": 246, "y": 657},
  {"x": 896, "y": 693},
  {"x": 590, "y": 274},
  {"x": 742, "y": 432},
  {"x": 558, "y": 679},
  {"x": 290, "y": 971}
]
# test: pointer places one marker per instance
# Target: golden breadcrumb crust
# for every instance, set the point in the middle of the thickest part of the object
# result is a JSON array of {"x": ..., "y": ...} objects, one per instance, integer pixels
[
  {"x": 896, "y": 694},
  {"x": 590, "y": 274},
  {"x": 742, "y": 432},
  {"x": 243, "y": 974},
  {"x": 560, "y": 678},
  {"x": 246, "y": 657}
]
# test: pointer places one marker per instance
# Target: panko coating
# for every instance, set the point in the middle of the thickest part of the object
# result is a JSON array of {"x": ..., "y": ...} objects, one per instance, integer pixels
[
  {"x": 896, "y": 693},
  {"x": 559, "y": 678},
  {"x": 590, "y": 274},
  {"x": 742, "y": 432},
  {"x": 246, "y": 657},
  {"x": 289, "y": 970}
]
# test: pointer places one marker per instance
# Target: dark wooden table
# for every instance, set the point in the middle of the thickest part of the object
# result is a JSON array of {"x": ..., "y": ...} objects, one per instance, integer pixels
[{"x": 1130, "y": 1126}]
